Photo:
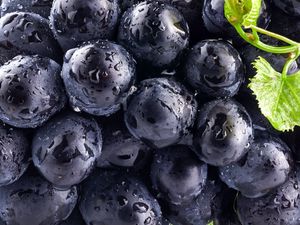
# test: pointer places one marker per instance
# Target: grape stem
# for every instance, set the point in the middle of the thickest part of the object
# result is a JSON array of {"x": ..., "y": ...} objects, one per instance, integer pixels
[
  {"x": 274, "y": 35},
  {"x": 292, "y": 48}
]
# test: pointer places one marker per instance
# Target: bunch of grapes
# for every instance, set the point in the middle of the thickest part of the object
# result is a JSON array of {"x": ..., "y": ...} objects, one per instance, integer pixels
[{"x": 128, "y": 112}]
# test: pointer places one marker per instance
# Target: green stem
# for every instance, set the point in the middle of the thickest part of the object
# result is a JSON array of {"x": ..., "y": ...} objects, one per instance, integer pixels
[
  {"x": 274, "y": 35},
  {"x": 265, "y": 47},
  {"x": 273, "y": 49}
]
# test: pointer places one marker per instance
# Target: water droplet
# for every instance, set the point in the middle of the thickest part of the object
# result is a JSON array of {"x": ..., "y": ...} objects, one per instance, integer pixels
[
  {"x": 10, "y": 99},
  {"x": 34, "y": 37},
  {"x": 134, "y": 193},
  {"x": 95, "y": 76},
  {"x": 140, "y": 207},
  {"x": 116, "y": 90},
  {"x": 147, "y": 221},
  {"x": 19, "y": 6},
  {"x": 76, "y": 109},
  {"x": 122, "y": 200}
]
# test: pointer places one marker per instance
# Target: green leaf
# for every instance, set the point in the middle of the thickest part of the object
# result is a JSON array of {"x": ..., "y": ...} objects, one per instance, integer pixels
[
  {"x": 242, "y": 12},
  {"x": 211, "y": 223},
  {"x": 278, "y": 96}
]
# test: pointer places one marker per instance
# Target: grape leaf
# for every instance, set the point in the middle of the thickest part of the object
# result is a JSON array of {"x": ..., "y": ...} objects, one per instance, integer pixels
[
  {"x": 242, "y": 12},
  {"x": 278, "y": 96},
  {"x": 211, "y": 223}
]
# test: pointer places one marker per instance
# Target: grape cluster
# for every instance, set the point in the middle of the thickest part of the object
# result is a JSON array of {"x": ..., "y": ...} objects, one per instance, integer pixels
[{"x": 137, "y": 112}]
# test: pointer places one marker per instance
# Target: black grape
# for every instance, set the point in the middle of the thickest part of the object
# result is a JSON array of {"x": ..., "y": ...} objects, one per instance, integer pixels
[
  {"x": 277, "y": 208},
  {"x": 33, "y": 201},
  {"x": 223, "y": 132},
  {"x": 77, "y": 21},
  {"x": 66, "y": 148},
  {"x": 98, "y": 77},
  {"x": 26, "y": 33},
  {"x": 112, "y": 198},
  {"x": 31, "y": 91},
  {"x": 161, "y": 112},
  {"x": 41, "y": 7},
  {"x": 266, "y": 166},
  {"x": 154, "y": 32}
]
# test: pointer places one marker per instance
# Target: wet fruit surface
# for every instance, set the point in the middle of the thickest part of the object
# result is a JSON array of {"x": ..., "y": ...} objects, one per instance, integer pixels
[
  {"x": 98, "y": 77},
  {"x": 65, "y": 149},
  {"x": 31, "y": 91},
  {"x": 41, "y": 7},
  {"x": 139, "y": 112},
  {"x": 34, "y": 194},
  {"x": 74, "y": 22},
  {"x": 266, "y": 166},
  {"x": 224, "y": 132},
  {"x": 161, "y": 112},
  {"x": 26, "y": 33},
  {"x": 214, "y": 68},
  {"x": 154, "y": 32},
  {"x": 280, "y": 207},
  {"x": 111, "y": 198},
  {"x": 14, "y": 152}
]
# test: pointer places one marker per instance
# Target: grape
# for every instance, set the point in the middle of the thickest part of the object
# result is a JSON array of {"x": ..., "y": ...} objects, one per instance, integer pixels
[
  {"x": 33, "y": 201},
  {"x": 112, "y": 198},
  {"x": 41, "y": 7},
  {"x": 14, "y": 152},
  {"x": 31, "y": 91},
  {"x": 215, "y": 68},
  {"x": 154, "y": 32},
  {"x": 224, "y": 132},
  {"x": 28, "y": 33},
  {"x": 77, "y": 21},
  {"x": 190, "y": 9},
  {"x": 266, "y": 166},
  {"x": 177, "y": 174},
  {"x": 66, "y": 148},
  {"x": 98, "y": 77},
  {"x": 161, "y": 112},
  {"x": 277, "y": 208}
]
